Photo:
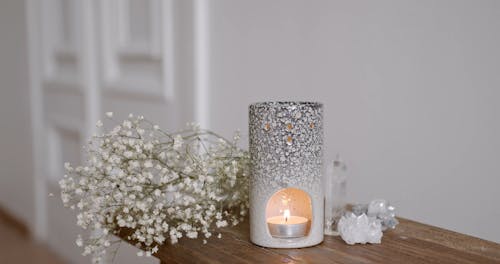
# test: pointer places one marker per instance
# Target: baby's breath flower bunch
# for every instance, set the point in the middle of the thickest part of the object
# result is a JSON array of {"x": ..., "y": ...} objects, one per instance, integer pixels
[{"x": 160, "y": 185}]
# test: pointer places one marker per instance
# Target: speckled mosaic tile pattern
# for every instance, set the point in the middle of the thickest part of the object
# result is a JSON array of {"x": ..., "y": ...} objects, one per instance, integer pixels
[{"x": 286, "y": 142}]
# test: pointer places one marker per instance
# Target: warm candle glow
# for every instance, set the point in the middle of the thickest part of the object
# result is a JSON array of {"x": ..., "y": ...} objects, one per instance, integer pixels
[
  {"x": 287, "y": 225},
  {"x": 289, "y": 214},
  {"x": 286, "y": 214}
]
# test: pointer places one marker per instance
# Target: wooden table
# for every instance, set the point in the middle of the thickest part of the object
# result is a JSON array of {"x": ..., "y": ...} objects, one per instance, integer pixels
[{"x": 410, "y": 242}]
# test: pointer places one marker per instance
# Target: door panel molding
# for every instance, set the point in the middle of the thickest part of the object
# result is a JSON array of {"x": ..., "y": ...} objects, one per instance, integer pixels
[{"x": 137, "y": 67}]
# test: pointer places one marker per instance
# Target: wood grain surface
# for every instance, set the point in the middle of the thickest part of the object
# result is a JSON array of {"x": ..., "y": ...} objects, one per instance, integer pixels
[{"x": 410, "y": 242}]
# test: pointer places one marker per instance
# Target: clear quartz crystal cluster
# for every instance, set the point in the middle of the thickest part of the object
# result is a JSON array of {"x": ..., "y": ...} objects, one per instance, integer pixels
[
  {"x": 367, "y": 221},
  {"x": 384, "y": 212},
  {"x": 359, "y": 229}
]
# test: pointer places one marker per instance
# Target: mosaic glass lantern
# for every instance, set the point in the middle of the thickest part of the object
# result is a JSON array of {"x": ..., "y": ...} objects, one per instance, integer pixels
[{"x": 286, "y": 194}]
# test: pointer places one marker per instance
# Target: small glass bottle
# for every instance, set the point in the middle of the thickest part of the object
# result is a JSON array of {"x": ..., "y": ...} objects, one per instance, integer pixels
[{"x": 335, "y": 195}]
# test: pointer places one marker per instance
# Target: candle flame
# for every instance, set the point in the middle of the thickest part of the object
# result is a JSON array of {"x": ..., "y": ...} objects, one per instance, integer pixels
[{"x": 286, "y": 214}]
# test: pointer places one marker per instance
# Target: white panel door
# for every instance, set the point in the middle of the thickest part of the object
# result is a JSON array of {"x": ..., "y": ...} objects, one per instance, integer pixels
[{"x": 92, "y": 57}]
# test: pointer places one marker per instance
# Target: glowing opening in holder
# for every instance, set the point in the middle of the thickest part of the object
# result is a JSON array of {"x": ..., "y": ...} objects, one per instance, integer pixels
[{"x": 289, "y": 213}]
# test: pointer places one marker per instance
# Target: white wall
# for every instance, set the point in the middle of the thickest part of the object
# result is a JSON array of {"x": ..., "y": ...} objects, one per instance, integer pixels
[
  {"x": 410, "y": 91},
  {"x": 16, "y": 175}
]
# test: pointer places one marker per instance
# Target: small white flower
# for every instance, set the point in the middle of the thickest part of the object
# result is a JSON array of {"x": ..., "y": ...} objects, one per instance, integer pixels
[
  {"x": 155, "y": 249},
  {"x": 116, "y": 129},
  {"x": 79, "y": 241},
  {"x": 148, "y": 146},
  {"x": 222, "y": 223},
  {"x": 99, "y": 123},
  {"x": 87, "y": 251},
  {"x": 192, "y": 234},
  {"x": 127, "y": 124},
  {"x": 109, "y": 114},
  {"x": 148, "y": 164},
  {"x": 178, "y": 141},
  {"x": 65, "y": 198},
  {"x": 128, "y": 154},
  {"x": 140, "y": 253},
  {"x": 187, "y": 170}
]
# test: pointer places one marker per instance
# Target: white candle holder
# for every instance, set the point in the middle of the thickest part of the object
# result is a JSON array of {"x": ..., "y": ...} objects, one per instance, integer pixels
[{"x": 286, "y": 195}]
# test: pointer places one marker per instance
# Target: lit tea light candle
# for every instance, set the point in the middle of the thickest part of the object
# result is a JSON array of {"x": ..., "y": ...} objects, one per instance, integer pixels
[{"x": 287, "y": 226}]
